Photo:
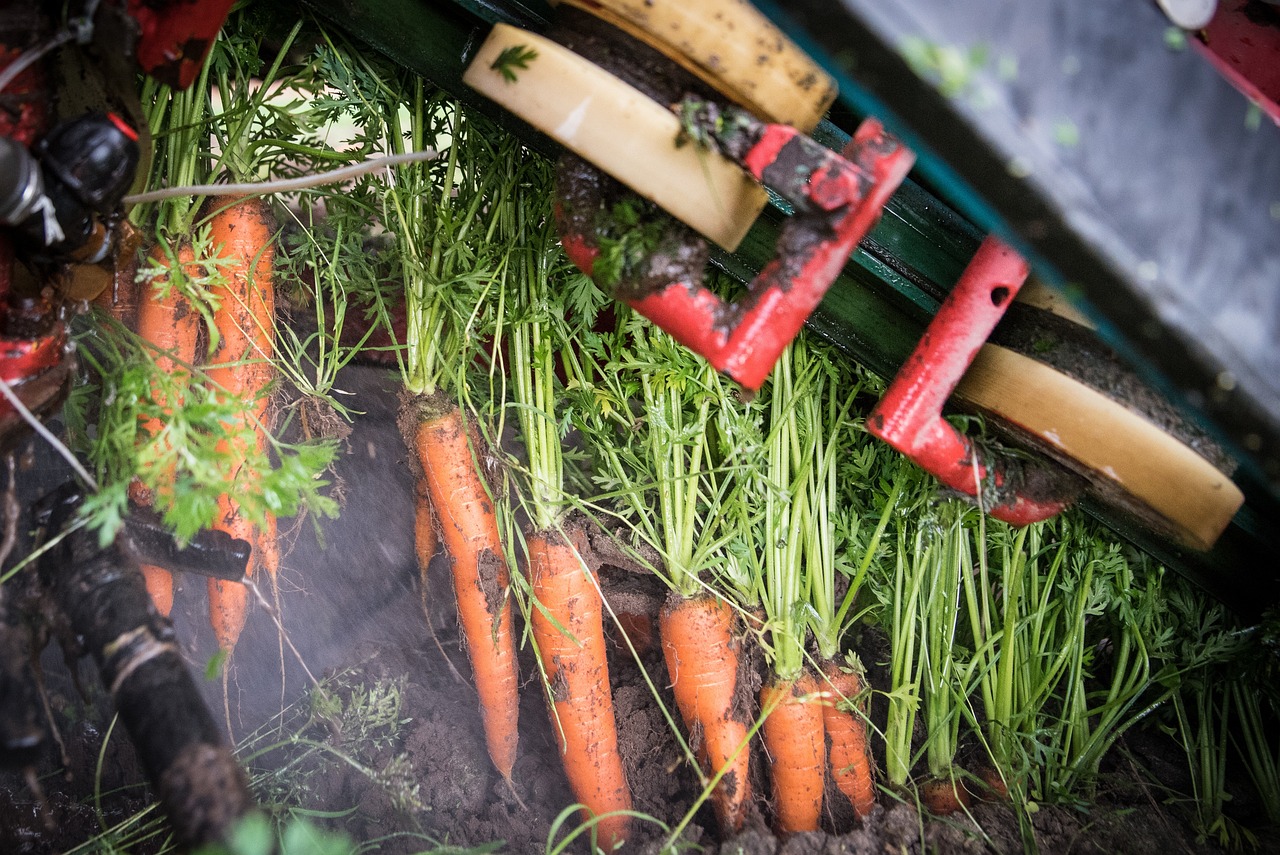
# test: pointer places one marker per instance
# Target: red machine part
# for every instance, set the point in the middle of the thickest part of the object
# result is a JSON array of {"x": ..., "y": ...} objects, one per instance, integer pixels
[
  {"x": 837, "y": 200},
  {"x": 39, "y": 340},
  {"x": 1243, "y": 43},
  {"x": 176, "y": 36},
  {"x": 909, "y": 416}
]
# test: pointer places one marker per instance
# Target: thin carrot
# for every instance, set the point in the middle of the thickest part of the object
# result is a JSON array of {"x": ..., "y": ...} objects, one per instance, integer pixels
[
  {"x": 242, "y": 231},
  {"x": 267, "y": 548},
  {"x": 702, "y": 654},
  {"x": 168, "y": 322},
  {"x": 793, "y": 737},
  {"x": 425, "y": 538},
  {"x": 847, "y": 752},
  {"x": 470, "y": 532},
  {"x": 568, "y": 627},
  {"x": 228, "y": 601},
  {"x": 159, "y": 586}
]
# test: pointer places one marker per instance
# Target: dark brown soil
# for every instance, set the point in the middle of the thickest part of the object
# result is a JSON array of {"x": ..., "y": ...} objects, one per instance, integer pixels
[{"x": 352, "y": 602}]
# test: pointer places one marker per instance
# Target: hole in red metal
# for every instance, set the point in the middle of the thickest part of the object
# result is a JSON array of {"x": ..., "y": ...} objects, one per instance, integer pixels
[{"x": 998, "y": 295}]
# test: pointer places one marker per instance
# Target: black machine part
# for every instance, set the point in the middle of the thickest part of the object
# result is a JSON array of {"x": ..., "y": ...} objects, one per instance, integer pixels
[
  {"x": 104, "y": 599},
  {"x": 59, "y": 195}
]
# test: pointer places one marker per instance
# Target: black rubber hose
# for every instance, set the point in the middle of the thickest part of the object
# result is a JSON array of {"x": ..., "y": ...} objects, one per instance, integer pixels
[{"x": 201, "y": 787}]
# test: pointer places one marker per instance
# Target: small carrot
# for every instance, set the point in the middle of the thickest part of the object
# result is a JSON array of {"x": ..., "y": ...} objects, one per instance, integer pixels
[
  {"x": 794, "y": 739},
  {"x": 847, "y": 754},
  {"x": 241, "y": 231},
  {"x": 425, "y": 538},
  {"x": 702, "y": 655},
  {"x": 944, "y": 796},
  {"x": 568, "y": 626},
  {"x": 159, "y": 583},
  {"x": 168, "y": 322},
  {"x": 480, "y": 577},
  {"x": 228, "y": 601}
]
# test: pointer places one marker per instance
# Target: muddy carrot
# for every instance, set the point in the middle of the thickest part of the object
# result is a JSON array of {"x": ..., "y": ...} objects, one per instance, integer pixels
[
  {"x": 425, "y": 538},
  {"x": 168, "y": 322},
  {"x": 847, "y": 752},
  {"x": 944, "y": 796},
  {"x": 793, "y": 737},
  {"x": 702, "y": 655},
  {"x": 568, "y": 627},
  {"x": 469, "y": 529},
  {"x": 228, "y": 601},
  {"x": 241, "y": 232}
]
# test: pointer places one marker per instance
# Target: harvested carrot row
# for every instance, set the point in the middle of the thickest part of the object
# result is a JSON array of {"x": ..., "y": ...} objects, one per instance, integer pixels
[
  {"x": 470, "y": 532},
  {"x": 847, "y": 752},
  {"x": 172, "y": 327},
  {"x": 793, "y": 737},
  {"x": 568, "y": 626},
  {"x": 242, "y": 232},
  {"x": 702, "y": 655}
]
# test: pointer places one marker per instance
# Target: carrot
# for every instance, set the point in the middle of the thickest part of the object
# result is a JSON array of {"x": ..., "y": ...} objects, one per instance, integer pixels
[
  {"x": 267, "y": 548},
  {"x": 469, "y": 528},
  {"x": 228, "y": 601},
  {"x": 159, "y": 586},
  {"x": 172, "y": 327},
  {"x": 241, "y": 231},
  {"x": 702, "y": 655},
  {"x": 847, "y": 753},
  {"x": 568, "y": 627},
  {"x": 991, "y": 785},
  {"x": 425, "y": 538},
  {"x": 793, "y": 738},
  {"x": 944, "y": 796}
]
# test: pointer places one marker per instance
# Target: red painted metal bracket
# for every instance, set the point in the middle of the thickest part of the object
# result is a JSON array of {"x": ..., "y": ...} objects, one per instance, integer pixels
[
  {"x": 909, "y": 416},
  {"x": 837, "y": 200},
  {"x": 175, "y": 36}
]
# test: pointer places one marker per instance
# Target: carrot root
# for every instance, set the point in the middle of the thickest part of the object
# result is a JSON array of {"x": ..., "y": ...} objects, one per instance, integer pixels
[
  {"x": 242, "y": 232},
  {"x": 425, "y": 539},
  {"x": 160, "y": 586},
  {"x": 944, "y": 796},
  {"x": 848, "y": 756},
  {"x": 571, "y": 646},
  {"x": 469, "y": 530},
  {"x": 793, "y": 737},
  {"x": 702, "y": 654}
]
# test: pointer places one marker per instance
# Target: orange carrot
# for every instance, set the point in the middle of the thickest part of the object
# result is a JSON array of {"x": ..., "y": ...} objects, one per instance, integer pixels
[
  {"x": 170, "y": 325},
  {"x": 159, "y": 586},
  {"x": 848, "y": 755},
  {"x": 425, "y": 539},
  {"x": 568, "y": 627},
  {"x": 241, "y": 231},
  {"x": 267, "y": 548},
  {"x": 991, "y": 786},
  {"x": 944, "y": 796},
  {"x": 793, "y": 738},
  {"x": 702, "y": 654},
  {"x": 228, "y": 601},
  {"x": 469, "y": 528}
]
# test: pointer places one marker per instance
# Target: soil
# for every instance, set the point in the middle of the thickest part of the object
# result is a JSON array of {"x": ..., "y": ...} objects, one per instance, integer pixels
[{"x": 352, "y": 606}]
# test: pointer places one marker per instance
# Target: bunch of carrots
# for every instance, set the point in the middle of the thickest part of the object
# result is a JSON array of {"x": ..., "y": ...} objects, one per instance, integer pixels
[
  {"x": 206, "y": 309},
  {"x": 747, "y": 553}
]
